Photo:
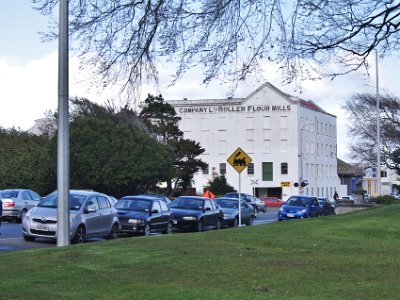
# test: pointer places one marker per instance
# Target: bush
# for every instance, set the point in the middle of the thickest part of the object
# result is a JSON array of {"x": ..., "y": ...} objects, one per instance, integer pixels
[{"x": 386, "y": 199}]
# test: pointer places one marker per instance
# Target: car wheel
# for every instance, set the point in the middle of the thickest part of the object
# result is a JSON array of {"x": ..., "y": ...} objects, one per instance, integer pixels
[
  {"x": 113, "y": 232},
  {"x": 22, "y": 216},
  {"x": 146, "y": 230},
  {"x": 200, "y": 226},
  {"x": 218, "y": 226},
  {"x": 79, "y": 236},
  {"x": 250, "y": 221},
  {"x": 255, "y": 212},
  {"x": 169, "y": 228},
  {"x": 29, "y": 238}
]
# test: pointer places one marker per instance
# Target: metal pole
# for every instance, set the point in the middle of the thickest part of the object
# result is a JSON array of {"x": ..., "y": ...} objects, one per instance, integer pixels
[
  {"x": 63, "y": 238},
  {"x": 378, "y": 129},
  {"x": 240, "y": 203}
]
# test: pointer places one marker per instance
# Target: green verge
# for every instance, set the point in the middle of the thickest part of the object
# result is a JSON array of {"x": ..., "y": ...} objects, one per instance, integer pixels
[{"x": 349, "y": 256}]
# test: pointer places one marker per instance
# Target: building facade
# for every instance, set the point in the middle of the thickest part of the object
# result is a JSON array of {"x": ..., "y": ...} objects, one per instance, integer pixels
[{"x": 289, "y": 140}]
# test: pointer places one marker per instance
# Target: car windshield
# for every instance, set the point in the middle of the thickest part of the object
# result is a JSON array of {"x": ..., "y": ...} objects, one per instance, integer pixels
[
  {"x": 298, "y": 201},
  {"x": 188, "y": 203},
  {"x": 134, "y": 204},
  {"x": 75, "y": 201},
  {"x": 9, "y": 194},
  {"x": 227, "y": 203}
]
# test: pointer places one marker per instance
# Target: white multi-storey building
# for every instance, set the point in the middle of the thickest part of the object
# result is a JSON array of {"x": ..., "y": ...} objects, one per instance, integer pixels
[{"x": 289, "y": 140}]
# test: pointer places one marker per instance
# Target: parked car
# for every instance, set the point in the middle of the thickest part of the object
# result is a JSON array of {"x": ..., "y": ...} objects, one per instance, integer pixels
[
  {"x": 231, "y": 212},
  {"x": 246, "y": 197},
  {"x": 300, "y": 207},
  {"x": 328, "y": 206},
  {"x": 260, "y": 205},
  {"x": 162, "y": 197},
  {"x": 196, "y": 213},
  {"x": 349, "y": 198},
  {"x": 272, "y": 201},
  {"x": 143, "y": 215},
  {"x": 91, "y": 215},
  {"x": 16, "y": 202}
]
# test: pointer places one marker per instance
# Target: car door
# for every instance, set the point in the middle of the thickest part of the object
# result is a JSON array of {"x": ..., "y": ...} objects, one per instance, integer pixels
[
  {"x": 246, "y": 211},
  {"x": 92, "y": 216},
  {"x": 156, "y": 216},
  {"x": 25, "y": 201},
  {"x": 166, "y": 215},
  {"x": 106, "y": 214},
  {"x": 209, "y": 214},
  {"x": 315, "y": 209}
]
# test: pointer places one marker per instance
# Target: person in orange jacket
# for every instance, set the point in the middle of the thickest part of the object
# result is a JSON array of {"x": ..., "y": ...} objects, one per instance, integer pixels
[{"x": 208, "y": 194}]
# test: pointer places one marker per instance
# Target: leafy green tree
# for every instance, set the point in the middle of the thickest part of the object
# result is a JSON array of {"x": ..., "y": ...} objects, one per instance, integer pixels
[
  {"x": 162, "y": 120},
  {"x": 219, "y": 186},
  {"x": 26, "y": 161},
  {"x": 110, "y": 153}
]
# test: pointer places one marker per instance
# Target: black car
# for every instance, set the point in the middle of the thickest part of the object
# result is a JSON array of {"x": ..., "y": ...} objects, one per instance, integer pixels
[
  {"x": 246, "y": 197},
  {"x": 196, "y": 213},
  {"x": 143, "y": 215},
  {"x": 328, "y": 206},
  {"x": 231, "y": 212}
]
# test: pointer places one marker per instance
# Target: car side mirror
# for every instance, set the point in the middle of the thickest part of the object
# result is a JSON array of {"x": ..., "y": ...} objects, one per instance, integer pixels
[
  {"x": 154, "y": 211},
  {"x": 207, "y": 208},
  {"x": 89, "y": 210}
]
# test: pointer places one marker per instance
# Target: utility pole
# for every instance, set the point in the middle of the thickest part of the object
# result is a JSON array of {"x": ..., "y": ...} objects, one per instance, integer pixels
[
  {"x": 63, "y": 238},
  {"x": 378, "y": 129}
]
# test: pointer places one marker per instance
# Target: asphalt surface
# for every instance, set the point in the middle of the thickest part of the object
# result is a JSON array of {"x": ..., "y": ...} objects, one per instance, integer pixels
[{"x": 11, "y": 237}]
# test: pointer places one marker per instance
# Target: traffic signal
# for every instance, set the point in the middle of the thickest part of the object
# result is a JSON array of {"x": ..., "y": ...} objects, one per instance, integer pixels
[{"x": 296, "y": 184}]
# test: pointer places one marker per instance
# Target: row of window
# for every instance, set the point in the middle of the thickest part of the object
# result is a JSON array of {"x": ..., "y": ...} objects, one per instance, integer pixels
[
  {"x": 320, "y": 149},
  {"x": 319, "y": 127},
  {"x": 267, "y": 170}
]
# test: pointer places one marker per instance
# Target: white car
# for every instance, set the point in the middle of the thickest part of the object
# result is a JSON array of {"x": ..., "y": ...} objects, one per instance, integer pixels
[{"x": 349, "y": 198}]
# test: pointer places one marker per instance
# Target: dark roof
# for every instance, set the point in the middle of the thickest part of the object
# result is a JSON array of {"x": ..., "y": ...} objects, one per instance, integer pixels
[{"x": 344, "y": 168}]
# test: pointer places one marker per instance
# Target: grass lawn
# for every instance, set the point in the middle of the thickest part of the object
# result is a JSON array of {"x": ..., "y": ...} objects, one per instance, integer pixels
[{"x": 350, "y": 256}]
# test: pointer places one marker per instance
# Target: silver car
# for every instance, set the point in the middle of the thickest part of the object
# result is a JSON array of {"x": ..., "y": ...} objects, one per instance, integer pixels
[
  {"x": 16, "y": 202},
  {"x": 91, "y": 215}
]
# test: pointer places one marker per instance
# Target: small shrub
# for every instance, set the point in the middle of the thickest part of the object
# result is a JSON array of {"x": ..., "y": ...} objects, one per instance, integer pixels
[{"x": 386, "y": 199}]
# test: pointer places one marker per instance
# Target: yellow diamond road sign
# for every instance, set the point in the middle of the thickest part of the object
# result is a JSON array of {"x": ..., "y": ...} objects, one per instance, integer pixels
[{"x": 239, "y": 160}]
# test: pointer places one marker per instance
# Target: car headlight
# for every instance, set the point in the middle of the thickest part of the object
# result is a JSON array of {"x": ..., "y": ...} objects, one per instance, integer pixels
[
  {"x": 228, "y": 216},
  {"x": 136, "y": 221},
  {"x": 303, "y": 211},
  {"x": 281, "y": 209},
  {"x": 27, "y": 215},
  {"x": 189, "y": 218}
]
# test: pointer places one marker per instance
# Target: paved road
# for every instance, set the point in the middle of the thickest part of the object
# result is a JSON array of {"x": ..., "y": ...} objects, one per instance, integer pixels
[{"x": 11, "y": 237}]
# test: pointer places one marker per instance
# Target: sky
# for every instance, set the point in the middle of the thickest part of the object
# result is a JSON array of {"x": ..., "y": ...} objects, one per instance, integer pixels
[{"x": 28, "y": 77}]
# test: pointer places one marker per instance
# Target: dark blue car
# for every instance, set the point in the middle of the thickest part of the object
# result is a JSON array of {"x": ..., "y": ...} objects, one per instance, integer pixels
[
  {"x": 143, "y": 215},
  {"x": 231, "y": 211},
  {"x": 300, "y": 207},
  {"x": 196, "y": 213}
]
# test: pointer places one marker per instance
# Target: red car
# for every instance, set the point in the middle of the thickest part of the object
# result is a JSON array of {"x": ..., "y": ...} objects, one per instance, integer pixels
[{"x": 272, "y": 201}]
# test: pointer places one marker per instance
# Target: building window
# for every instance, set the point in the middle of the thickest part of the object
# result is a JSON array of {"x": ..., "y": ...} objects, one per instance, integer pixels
[
  {"x": 249, "y": 123},
  {"x": 250, "y": 169},
  {"x": 222, "y": 147},
  {"x": 250, "y": 146},
  {"x": 284, "y": 145},
  {"x": 267, "y": 146},
  {"x": 284, "y": 168},
  {"x": 205, "y": 170},
  {"x": 267, "y": 171},
  {"x": 284, "y": 122},
  {"x": 204, "y": 124},
  {"x": 267, "y": 122},
  {"x": 222, "y": 124},
  {"x": 222, "y": 168}
]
